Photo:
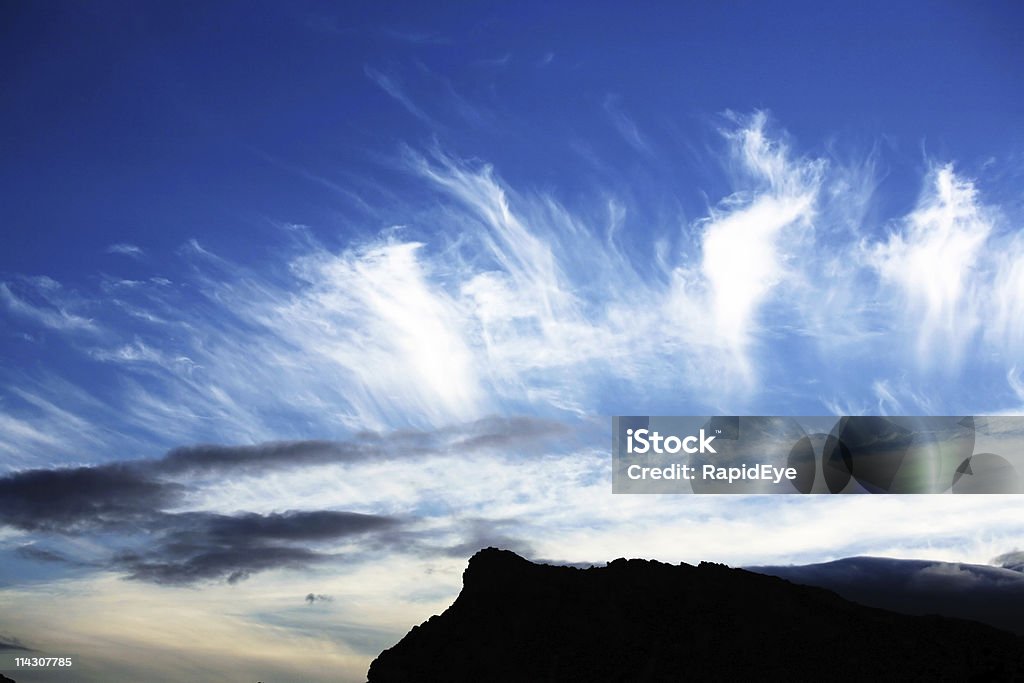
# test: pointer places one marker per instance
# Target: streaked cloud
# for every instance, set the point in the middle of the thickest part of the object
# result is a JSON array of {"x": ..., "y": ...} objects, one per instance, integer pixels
[
  {"x": 49, "y": 310},
  {"x": 415, "y": 37},
  {"x": 625, "y": 125},
  {"x": 390, "y": 85},
  {"x": 125, "y": 249},
  {"x": 932, "y": 261}
]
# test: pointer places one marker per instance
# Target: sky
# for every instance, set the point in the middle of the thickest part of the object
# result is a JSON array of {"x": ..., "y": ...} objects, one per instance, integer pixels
[{"x": 303, "y": 303}]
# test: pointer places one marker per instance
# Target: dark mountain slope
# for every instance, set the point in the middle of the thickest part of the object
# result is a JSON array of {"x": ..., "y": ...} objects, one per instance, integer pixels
[{"x": 637, "y": 620}]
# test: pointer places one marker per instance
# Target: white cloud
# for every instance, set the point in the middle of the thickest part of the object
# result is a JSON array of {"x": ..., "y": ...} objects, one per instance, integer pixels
[
  {"x": 392, "y": 87},
  {"x": 22, "y": 436},
  {"x": 135, "y": 352},
  {"x": 626, "y": 127},
  {"x": 742, "y": 264},
  {"x": 933, "y": 263},
  {"x": 52, "y": 314},
  {"x": 125, "y": 249},
  {"x": 1013, "y": 376},
  {"x": 51, "y": 421},
  {"x": 1003, "y": 316},
  {"x": 898, "y": 397},
  {"x": 375, "y": 317}
]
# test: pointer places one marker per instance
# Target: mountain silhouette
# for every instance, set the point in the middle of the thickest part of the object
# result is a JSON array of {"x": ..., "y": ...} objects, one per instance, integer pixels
[{"x": 641, "y": 620}]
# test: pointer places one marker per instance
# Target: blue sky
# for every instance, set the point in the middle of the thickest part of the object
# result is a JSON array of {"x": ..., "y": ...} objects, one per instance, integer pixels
[{"x": 482, "y": 228}]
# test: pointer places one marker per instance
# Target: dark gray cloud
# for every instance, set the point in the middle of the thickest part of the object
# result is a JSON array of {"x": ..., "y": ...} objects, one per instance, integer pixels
[
  {"x": 296, "y": 526},
  {"x": 201, "y": 459},
  {"x": 318, "y": 597},
  {"x": 992, "y": 595},
  {"x": 192, "y": 547},
  {"x": 81, "y": 498},
  {"x": 172, "y": 548},
  {"x": 9, "y": 643},
  {"x": 486, "y": 433},
  {"x": 137, "y": 500},
  {"x": 178, "y": 563}
]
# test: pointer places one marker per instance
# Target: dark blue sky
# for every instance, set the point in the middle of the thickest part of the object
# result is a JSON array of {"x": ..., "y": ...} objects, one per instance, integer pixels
[{"x": 155, "y": 122}]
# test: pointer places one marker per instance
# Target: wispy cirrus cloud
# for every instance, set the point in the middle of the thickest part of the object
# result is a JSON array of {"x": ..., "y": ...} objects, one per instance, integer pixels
[
  {"x": 416, "y": 37},
  {"x": 932, "y": 260},
  {"x": 125, "y": 249},
  {"x": 625, "y": 125},
  {"x": 392, "y": 328},
  {"x": 495, "y": 298},
  {"x": 390, "y": 85},
  {"x": 750, "y": 242},
  {"x": 49, "y": 307}
]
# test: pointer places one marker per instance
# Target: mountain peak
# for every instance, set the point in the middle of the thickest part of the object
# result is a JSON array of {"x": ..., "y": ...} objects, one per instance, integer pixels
[{"x": 643, "y": 620}]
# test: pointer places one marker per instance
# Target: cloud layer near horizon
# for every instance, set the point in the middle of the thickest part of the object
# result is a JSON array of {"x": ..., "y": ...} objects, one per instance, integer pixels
[{"x": 151, "y": 515}]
